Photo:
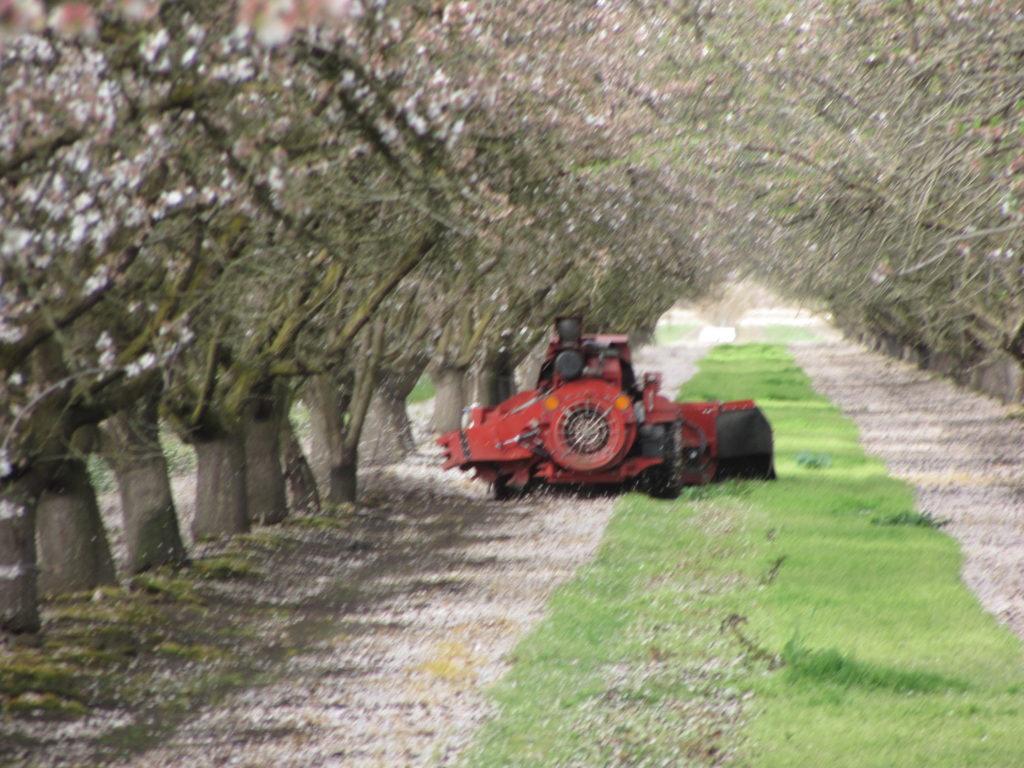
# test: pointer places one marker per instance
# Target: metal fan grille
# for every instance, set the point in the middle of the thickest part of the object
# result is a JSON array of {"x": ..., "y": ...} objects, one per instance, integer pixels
[{"x": 586, "y": 431}]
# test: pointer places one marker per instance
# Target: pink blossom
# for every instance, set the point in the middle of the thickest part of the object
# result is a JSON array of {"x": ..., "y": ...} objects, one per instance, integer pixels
[
  {"x": 275, "y": 21},
  {"x": 21, "y": 16},
  {"x": 139, "y": 10},
  {"x": 74, "y": 20}
]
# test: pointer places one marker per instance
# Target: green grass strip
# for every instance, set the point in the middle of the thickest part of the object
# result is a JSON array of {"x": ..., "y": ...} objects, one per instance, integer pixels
[{"x": 759, "y": 624}]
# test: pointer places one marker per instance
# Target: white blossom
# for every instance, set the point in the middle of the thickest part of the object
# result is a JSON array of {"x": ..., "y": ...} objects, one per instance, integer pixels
[
  {"x": 95, "y": 283},
  {"x": 152, "y": 46},
  {"x": 10, "y": 334}
]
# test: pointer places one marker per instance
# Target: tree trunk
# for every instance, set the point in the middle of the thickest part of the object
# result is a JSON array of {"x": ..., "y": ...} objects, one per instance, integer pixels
[
  {"x": 221, "y": 498},
  {"x": 319, "y": 449},
  {"x": 387, "y": 436},
  {"x": 529, "y": 367},
  {"x": 73, "y": 550},
  {"x": 18, "y": 602},
  {"x": 20, "y": 490},
  {"x": 267, "y": 501},
  {"x": 327, "y": 410},
  {"x": 496, "y": 379},
  {"x": 344, "y": 488},
  {"x": 450, "y": 382},
  {"x": 301, "y": 481},
  {"x": 355, "y": 404},
  {"x": 151, "y": 527},
  {"x": 325, "y": 425}
]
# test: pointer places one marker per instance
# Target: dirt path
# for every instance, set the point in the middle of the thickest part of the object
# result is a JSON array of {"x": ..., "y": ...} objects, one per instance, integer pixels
[
  {"x": 961, "y": 452},
  {"x": 420, "y": 631}
]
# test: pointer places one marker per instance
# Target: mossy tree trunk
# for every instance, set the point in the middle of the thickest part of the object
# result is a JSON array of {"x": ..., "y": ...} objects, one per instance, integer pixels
[
  {"x": 72, "y": 544},
  {"x": 325, "y": 420},
  {"x": 345, "y": 467},
  {"x": 496, "y": 377},
  {"x": 339, "y": 413},
  {"x": 221, "y": 491},
  {"x": 18, "y": 602},
  {"x": 151, "y": 530},
  {"x": 344, "y": 481},
  {"x": 301, "y": 481},
  {"x": 387, "y": 436},
  {"x": 460, "y": 343},
  {"x": 264, "y": 475},
  {"x": 48, "y": 511},
  {"x": 530, "y": 364},
  {"x": 342, "y": 455},
  {"x": 450, "y": 383}
]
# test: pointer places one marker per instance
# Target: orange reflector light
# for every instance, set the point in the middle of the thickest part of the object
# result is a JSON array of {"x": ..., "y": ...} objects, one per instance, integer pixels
[
  {"x": 622, "y": 402},
  {"x": 551, "y": 403}
]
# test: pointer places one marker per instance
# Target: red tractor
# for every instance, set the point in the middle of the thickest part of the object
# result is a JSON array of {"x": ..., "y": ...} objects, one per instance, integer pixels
[{"x": 590, "y": 421}]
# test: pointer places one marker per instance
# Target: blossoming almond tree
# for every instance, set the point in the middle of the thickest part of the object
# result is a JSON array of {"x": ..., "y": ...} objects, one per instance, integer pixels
[
  {"x": 878, "y": 151},
  {"x": 81, "y": 196},
  {"x": 115, "y": 136}
]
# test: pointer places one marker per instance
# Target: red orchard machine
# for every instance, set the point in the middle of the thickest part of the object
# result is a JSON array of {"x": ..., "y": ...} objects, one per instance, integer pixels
[{"x": 591, "y": 421}]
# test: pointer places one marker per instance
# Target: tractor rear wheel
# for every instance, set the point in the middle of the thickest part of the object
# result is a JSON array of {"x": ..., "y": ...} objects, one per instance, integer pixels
[
  {"x": 753, "y": 467},
  {"x": 665, "y": 481},
  {"x": 745, "y": 446}
]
